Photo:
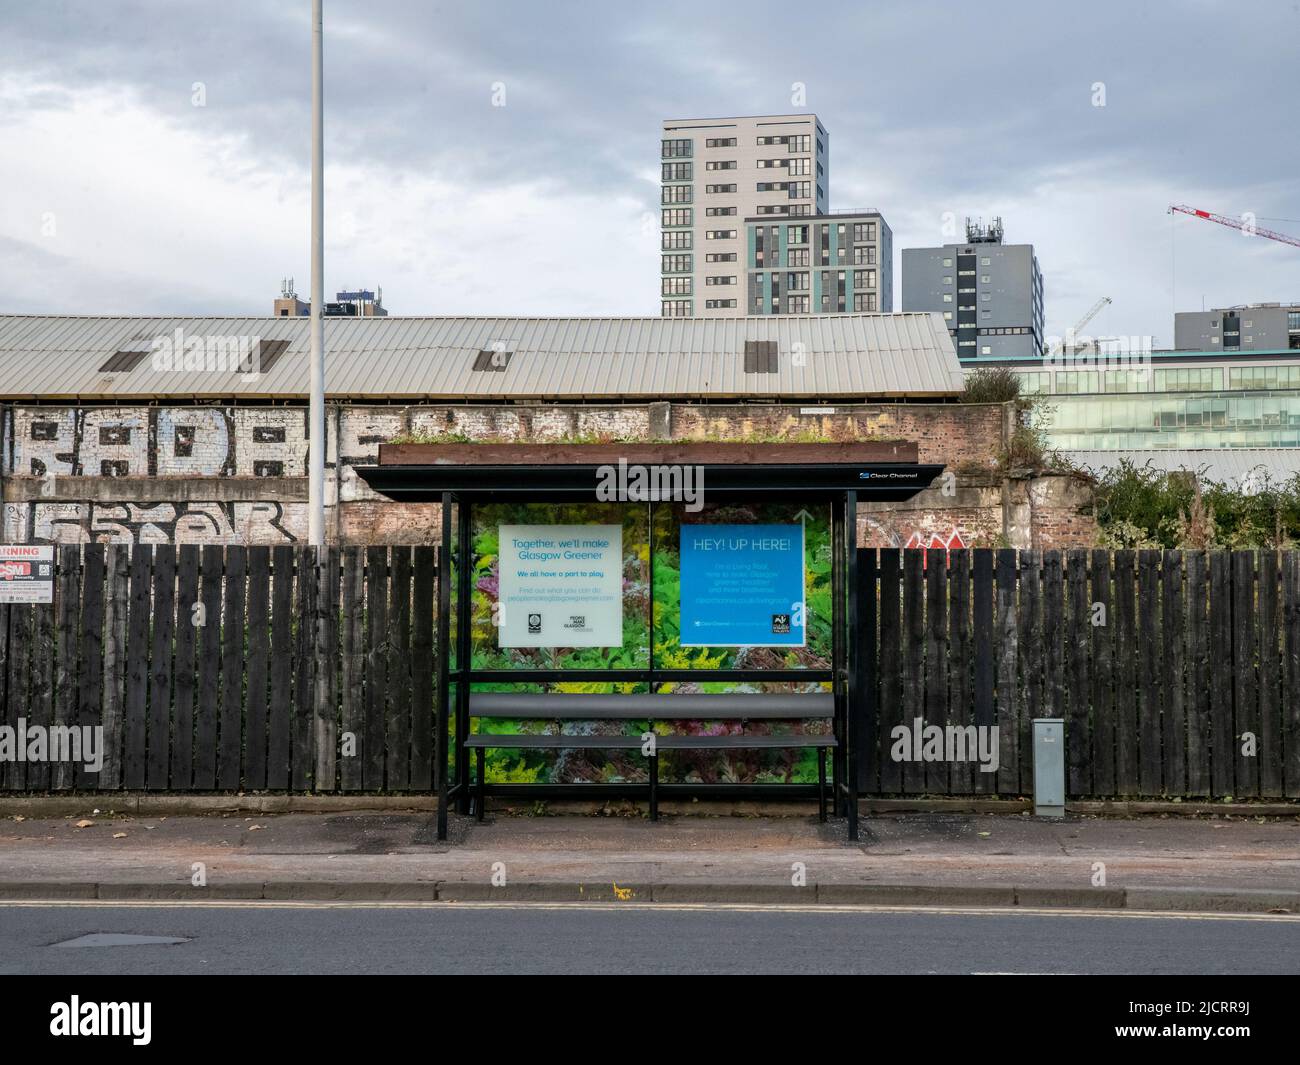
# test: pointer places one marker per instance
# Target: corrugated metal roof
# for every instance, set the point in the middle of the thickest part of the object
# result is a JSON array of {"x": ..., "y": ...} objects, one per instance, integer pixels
[
  {"x": 1227, "y": 465},
  {"x": 905, "y": 355}
]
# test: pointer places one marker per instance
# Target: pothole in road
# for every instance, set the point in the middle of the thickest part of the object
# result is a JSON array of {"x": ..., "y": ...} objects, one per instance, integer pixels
[{"x": 121, "y": 939}]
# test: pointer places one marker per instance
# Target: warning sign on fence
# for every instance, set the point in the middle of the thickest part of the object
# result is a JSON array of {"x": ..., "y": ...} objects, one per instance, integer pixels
[{"x": 26, "y": 573}]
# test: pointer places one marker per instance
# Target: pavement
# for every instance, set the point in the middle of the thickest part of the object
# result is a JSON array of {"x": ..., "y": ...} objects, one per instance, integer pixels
[{"x": 1226, "y": 863}]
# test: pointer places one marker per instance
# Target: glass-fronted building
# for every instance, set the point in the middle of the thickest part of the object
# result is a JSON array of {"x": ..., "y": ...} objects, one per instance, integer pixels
[{"x": 1180, "y": 400}]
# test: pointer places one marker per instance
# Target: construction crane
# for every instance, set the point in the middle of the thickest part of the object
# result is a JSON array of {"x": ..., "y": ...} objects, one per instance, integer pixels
[
  {"x": 1069, "y": 344},
  {"x": 1235, "y": 223},
  {"x": 1093, "y": 311}
]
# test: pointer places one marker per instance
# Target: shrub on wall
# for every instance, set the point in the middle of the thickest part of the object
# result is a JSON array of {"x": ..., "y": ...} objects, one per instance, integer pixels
[
  {"x": 1138, "y": 506},
  {"x": 991, "y": 384}
]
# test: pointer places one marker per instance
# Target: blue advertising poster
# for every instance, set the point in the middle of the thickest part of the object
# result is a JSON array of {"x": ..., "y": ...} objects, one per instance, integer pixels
[{"x": 742, "y": 586}]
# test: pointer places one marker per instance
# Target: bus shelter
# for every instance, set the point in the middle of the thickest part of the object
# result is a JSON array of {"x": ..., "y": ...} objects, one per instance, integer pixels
[{"x": 546, "y": 581}]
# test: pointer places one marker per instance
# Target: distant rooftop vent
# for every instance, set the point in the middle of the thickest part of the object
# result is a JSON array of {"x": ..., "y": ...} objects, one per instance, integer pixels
[
  {"x": 123, "y": 361},
  {"x": 492, "y": 361},
  {"x": 268, "y": 354},
  {"x": 760, "y": 356}
]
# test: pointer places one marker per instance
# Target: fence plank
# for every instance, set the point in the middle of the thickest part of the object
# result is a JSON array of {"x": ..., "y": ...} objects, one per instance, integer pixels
[
  {"x": 1245, "y": 617},
  {"x": 1173, "y": 715},
  {"x": 157, "y": 770},
  {"x": 891, "y": 667},
  {"x": 281, "y": 708},
  {"x": 326, "y": 726},
  {"x": 1101, "y": 621},
  {"x": 983, "y": 706},
  {"x": 373, "y": 749},
  {"x": 399, "y": 670},
  {"x": 186, "y": 682},
  {"x": 422, "y": 657},
  {"x": 914, "y": 656},
  {"x": 207, "y": 716},
  {"x": 350, "y": 770},
  {"x": 90, "y": 693},
  {"x": 1010, "y": 704},
  {"x": 1126, "y": 714},
  {"x": 1032, "y": 664},
  {"x": 37, "y": 692},
  {"x": 1078, "y": 639},
  {"x": 116, "y": 591},
  {"x": 1222, "y": 752},
  {"x": 959, "y": 660},
  {"x": 937, "y": 775},
  {"x": 41, "y": 711},
  {"x": 259, "y": 649},
  {"x": 4, "y": 690},
  {"x": 233, "y": 659},
  {"x": 865, "y": 742},
  {"x": 13, "y": 774},
  {"x": 134, "y": 707},
  {"x": 68, "y": 614},
  {"x": 301, "y": 760},
  {"x": 1197, "y": 667},
  {"x": 1149, "y": 753},
  {"x": 1053, "y": 638},
  {"x": 1291, "y": 670},
  {"x": 1270, "y": 674}
]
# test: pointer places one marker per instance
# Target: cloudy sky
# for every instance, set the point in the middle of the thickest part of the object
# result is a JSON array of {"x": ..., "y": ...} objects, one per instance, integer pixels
[{"x": 154, "y": 155}]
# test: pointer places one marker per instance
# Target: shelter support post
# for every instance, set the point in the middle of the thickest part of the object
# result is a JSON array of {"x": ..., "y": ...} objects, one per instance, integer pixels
[
  {"x": 856, "y": 689},
  {"x": 481, "y": 779},
  {"x": 837, "y": 652},
  {"x": 444, "y": 665},
  {"x": 868, "y": 663},
  {"x": 464, "y": 574}
]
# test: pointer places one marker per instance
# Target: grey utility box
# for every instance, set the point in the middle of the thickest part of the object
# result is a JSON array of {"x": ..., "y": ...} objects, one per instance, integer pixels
[{"x": 1049, "y": 767}]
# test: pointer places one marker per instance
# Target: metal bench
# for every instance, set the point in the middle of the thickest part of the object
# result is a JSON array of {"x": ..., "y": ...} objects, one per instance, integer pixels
[{"x": 747, "y": 706}]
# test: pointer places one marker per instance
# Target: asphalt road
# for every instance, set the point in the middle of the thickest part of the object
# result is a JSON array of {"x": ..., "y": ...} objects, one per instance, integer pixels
[{"x": 616, "y": 939}]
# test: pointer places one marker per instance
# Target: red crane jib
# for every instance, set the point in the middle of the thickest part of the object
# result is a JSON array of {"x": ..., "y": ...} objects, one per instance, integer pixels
[{"x": 1236, "y": 223}]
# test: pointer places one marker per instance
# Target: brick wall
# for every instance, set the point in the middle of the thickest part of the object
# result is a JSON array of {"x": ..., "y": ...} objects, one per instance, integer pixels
[
  {"x": 985, "y": 511},
  {"x": 955, "y": 435},
  {"x": 188, "y": 474}
]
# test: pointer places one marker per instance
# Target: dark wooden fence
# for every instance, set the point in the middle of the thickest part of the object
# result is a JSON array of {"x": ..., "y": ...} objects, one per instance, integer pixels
[
  {"x": 1160, "y": 662},
  {"x": 206, "y": 666},
  {"x": 221, "y": 669}
]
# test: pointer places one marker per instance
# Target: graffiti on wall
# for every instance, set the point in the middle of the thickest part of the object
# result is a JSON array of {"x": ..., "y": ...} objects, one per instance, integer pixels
[
  {"x": 934, "y": 542},
  {"x": 875, "y": 531},
  {"x": 156, "y": 442},
  {"x": 252, "y": 522}
]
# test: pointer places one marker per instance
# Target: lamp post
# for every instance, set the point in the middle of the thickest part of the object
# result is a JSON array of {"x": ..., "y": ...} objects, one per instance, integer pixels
[{"x": 316, "y": 413}]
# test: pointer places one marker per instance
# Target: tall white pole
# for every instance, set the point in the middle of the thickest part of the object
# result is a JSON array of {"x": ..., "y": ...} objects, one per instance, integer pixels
[{"x": 316, "y": 416}]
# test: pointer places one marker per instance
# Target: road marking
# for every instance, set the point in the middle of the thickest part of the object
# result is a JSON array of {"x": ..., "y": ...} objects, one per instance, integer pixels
[{"x": 642, "y": 907}]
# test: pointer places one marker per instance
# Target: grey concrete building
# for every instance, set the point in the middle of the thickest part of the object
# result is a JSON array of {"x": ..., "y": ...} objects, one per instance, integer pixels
[
  {"x": 1248, "y": 327},
  {"x": 716, "y": 173},
  {"x": 989, "y": 293},
  {"x": 822, "y": 264}
]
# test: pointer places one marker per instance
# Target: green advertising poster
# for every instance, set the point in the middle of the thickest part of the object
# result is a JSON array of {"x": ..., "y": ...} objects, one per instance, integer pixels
[{"x": 796, "y": 540}]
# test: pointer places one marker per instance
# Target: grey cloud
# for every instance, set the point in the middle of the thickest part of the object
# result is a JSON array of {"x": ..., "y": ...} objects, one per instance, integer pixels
[{"x": 955, "y": 106}]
